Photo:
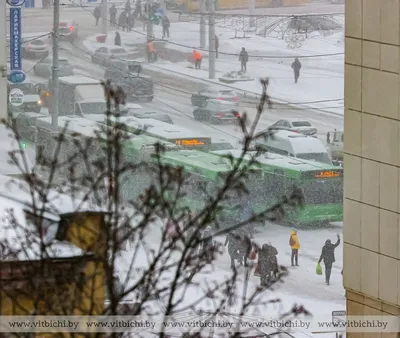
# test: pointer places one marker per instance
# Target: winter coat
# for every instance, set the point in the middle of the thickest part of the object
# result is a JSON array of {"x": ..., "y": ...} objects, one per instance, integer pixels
[
  {"x": 97, "y": 12},
  {"x": 296, "y": 65},
  {"x": 165, "y": 22},
  {"x": 243, "y": 56},
  {"x": 295, "y": 239},
  {"x": 150, "y": 47},
  {"x": 113, "y": 11},
  {"x": 267, "y": 260},
  {"x": 117, "y": 39},
  {"x": 328, "y": 252},
  {"x": 122, "y": 19},
  {"x": 233, "y": 245},
  {"x": 196, "y": 56},
  {"x": 207, "y": 237}
]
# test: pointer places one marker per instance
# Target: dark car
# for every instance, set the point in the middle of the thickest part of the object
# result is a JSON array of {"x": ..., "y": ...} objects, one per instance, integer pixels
[
  {"x": 68, "y": 30},
  {"x": 295, "y": 125},
  {"x": 144, "y": 114},
  {"x": 200, "y": 98},
  {"x": 216, "y": 111},
  {"x": 44, "y": 68},
  {"x": 126, "y": 74}
]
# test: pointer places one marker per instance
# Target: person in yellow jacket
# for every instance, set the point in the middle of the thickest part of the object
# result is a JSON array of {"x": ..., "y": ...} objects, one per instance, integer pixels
[{"x": 295, "y": 245}]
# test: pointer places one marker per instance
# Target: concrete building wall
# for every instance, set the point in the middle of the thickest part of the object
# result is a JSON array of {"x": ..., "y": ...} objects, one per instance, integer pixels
[{"x": 372, "y": 158}]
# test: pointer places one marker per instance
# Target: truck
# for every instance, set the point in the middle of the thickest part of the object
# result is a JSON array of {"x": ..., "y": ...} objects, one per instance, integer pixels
[
  {"x": 335, "y": 141},
  {"x": 127, "y": 75}
]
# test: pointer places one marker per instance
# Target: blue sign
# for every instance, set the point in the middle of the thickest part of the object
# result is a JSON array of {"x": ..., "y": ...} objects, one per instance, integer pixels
[
  {"x": 16, "y": 76},
  {"x": 15, "y": 38},
  {"x": 15, "y": 2}
]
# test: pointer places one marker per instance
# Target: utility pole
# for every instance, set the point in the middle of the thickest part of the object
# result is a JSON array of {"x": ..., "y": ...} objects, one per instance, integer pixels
[
  {"x": 202, "y": 25},
  {"x": 54, "y": 79},
  {"x": 211, "y": 41},
  {"x": 3, "y": 60},
  {"x": 150, "y": 16},
  {"x": 104, "y": 12}
]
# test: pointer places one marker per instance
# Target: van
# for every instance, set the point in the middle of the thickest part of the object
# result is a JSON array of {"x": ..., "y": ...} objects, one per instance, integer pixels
[{"x": 296, "y": 145}]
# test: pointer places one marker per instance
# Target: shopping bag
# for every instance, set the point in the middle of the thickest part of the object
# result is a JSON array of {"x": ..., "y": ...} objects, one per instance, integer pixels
[{"x": 319, "y": 269}]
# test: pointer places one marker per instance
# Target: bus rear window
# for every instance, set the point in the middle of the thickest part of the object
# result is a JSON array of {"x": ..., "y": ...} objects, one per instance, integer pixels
[{"x": 327, "y": 191}]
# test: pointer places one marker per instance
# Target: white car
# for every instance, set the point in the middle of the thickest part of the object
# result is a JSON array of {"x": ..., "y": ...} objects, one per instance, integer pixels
[
  {"x": 295, "y": 125},
  {"x": 104, "y": 55}
]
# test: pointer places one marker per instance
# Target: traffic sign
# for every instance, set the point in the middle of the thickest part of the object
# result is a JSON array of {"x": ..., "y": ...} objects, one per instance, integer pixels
[
  {"x": 16, "y": 97},
  {"x": 16, "y": 76},
  {"x": 15, "y": 38},
  {"x": 16, "y": 2}
]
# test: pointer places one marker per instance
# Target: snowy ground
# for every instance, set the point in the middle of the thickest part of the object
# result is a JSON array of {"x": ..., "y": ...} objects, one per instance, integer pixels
[
  {"x": 302, "y": 286},
  {"x": 321, "y": 77}
]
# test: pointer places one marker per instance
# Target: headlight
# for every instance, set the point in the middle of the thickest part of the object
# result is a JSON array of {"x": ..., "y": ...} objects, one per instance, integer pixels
[{"x": 39, "y": 102}]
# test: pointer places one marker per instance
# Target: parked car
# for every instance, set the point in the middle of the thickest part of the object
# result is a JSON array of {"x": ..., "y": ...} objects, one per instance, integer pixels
[
  {"x": 216, "y": 111},
  {"x": 43, "y": 68},
  {"x": 295, "y": 125},
  {"x": 104, "y": 55},
  {"x": 35, "y": 49},
  {"x": 148, "y": 114},
  {"x": 200, "y": 98},
  {"x": 68, "y": 30}
]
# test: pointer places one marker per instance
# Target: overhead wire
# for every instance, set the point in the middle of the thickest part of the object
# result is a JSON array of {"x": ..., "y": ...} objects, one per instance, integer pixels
[{"x": 220, "y": 52}]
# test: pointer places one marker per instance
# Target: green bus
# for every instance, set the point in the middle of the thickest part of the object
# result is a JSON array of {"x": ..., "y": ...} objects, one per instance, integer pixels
[{"x": 321, "y": 184}]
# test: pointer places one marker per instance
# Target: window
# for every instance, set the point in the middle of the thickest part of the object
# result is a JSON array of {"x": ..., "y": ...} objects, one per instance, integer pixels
[
  {"x": 279, "y": 123},
  {"x": 301, "y": 124},
  {"x": 323, "y": 191},
  {"x": 286, "y": 124},
  {"x": 37, "y": 42},
  {"x": 277, "y": 151},
  {"x": 88, "y": 108},
  {"x": 63, "y": 62},
  {"x": 317, "y": 157},
  {"x": 118, "y": 51},
  {"x": 102, "y": 50},
  {"x": 27, "y": 88}
]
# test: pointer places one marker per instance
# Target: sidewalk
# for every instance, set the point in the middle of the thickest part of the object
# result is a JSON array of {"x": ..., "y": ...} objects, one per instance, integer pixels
[{"x": 321, "y": 77}]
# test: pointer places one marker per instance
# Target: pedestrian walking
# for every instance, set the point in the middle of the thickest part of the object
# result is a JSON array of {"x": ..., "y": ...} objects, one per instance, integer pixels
[
  {"x": 295, "y": 245},
  {"x": 130, "y": 21},
  {"x": 197, "y": 59},
  {"x": 216, "y": 47},
  {"x": 113, "y": 15},
  {"x": 165, "y": 26},
  {"x": 128, "y": 6},
  {"x": 97, "y": 14},
  {"x": 243, "y": 58},
  {"x": 296, "y": 66},
  {"x": 207, "y": 245},
  {"x": 122, "y": 20},
  {"x": 117, "y": 39},
  {"x": 328, "y": 256},
  {"x": 151, "y": 52}
]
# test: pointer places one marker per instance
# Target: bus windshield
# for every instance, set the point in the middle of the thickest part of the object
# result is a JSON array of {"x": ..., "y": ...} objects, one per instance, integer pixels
[
  {"x": 323, "y": 191},
  {"x": 317, "y": 157}
]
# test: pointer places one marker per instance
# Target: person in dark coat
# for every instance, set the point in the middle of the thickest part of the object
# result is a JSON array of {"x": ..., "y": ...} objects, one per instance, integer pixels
[
  {"x": 128, "y": 6},
  {"x": 244, "y": 248},
  {"x": 130, "y": 20},
  {"x": 268, "y": 263},
  {"x": 138, "y": 9},
  {"x": 216, "y": 46},
  {"x": 122, "y": 20},
  {"x": 296, "y": 65},
  {"x": 97, "y": 14},
  {"x": 207, "y": 245},
  {"x": 232, "y": 240},
  {"x": 328, "y": 255},
  {"x": 113, "y": 15},
  {"x": 117, "y": 39},
  {"x": 243, "y": 58},
  {"x": 165, "y": 26}
]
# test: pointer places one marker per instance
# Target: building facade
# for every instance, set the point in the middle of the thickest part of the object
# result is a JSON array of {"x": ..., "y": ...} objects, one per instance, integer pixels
[{"x": 372, "y": 159}]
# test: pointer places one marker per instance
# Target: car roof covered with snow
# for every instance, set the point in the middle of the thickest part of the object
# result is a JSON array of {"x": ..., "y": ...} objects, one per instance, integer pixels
[
  {"x": 78, "y": 79},
  {"x": 276, "y": 160}
]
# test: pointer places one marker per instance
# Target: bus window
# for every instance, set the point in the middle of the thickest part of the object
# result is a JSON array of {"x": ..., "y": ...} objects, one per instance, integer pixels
[{"x": 323, "y": 191}]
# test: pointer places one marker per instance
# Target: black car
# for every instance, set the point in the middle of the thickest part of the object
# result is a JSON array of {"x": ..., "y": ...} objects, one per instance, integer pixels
[
  {"x": 126, "y": 73},
  {"x": 216, "y": 111},
  {"x": 200, "y": 98}
]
